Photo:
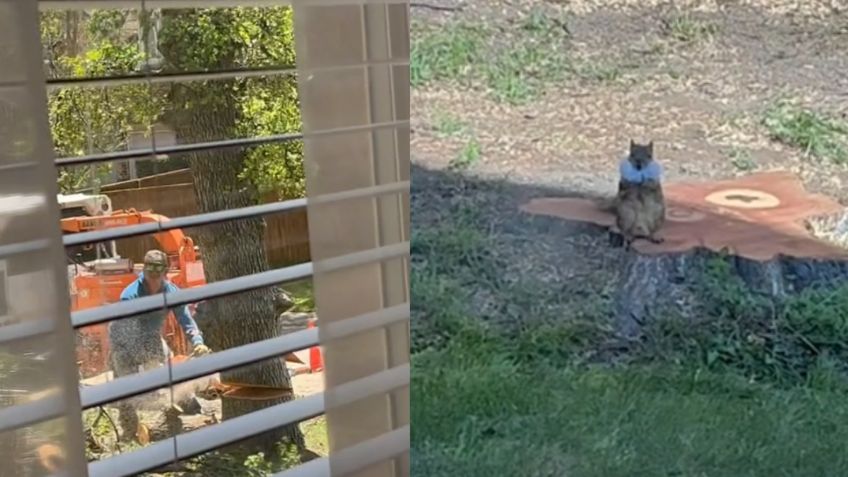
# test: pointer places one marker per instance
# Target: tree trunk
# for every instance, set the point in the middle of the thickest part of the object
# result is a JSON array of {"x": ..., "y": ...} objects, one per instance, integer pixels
[
  {"x": 648, "y": 283},
  {"x": 205, "y": 112}
]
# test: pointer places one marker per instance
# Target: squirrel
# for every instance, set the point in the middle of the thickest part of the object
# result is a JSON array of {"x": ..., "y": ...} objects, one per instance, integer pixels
[{"x": 639, "y": 206}]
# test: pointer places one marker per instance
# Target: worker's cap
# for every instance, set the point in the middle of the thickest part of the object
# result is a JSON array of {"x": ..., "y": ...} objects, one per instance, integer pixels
[{"x": 155, "y": 261}]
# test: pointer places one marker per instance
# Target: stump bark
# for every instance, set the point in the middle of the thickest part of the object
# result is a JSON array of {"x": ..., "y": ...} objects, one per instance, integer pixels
[
  {"x": 785, "y": 239},
  {"x": 649, "y": 282}
]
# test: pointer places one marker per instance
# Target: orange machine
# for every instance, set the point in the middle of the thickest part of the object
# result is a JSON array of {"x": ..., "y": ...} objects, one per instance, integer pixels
[{"x": 99, "y": 279}]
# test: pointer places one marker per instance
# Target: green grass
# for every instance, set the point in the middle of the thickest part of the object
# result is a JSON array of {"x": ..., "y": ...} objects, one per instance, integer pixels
[
  {"x": 215, "y": 463},
  {"x": 444, "y": 53},
  {"x": 818, "y": 135},
  {"x": 533, "y": 58},
  {"x": 599, "y": 71},
  {"x": 478, "y": 414},
  {"x": 687, "y": 29},
  {"x": 302, "y": 295},
  {"x": 514, "y": 64},
  {"x": 467, "y": 157},
  {"x": 212, "y": 464},
  {"x": 742, "y": 160},
  {"x": 756, "y": 390},
  {"x": 221, "y": 464},
  {"x": 519, "y": 74},
  {"x": 315, "y": 435},
  {"x": 448, "y": 125}
]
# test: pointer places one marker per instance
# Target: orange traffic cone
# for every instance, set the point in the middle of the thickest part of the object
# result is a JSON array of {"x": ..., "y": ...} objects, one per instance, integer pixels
[{"x": 316, "y": 363}]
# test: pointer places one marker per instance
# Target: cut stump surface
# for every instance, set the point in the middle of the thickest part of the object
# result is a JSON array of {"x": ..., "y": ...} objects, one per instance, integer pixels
[
  {"x": 758, "y": 217},
  {"x": 759, "y": 221}
]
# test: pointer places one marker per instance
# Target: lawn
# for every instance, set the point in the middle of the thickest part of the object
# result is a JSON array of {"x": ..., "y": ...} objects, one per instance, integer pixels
[
  {"x": 740, "y": 394},
  {"x": 477, "y": 413},
  {"x": 516, "y": 367}
]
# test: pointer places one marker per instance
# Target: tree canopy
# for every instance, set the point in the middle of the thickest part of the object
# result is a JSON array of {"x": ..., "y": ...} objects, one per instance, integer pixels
[{"x": 103, "y": 43}]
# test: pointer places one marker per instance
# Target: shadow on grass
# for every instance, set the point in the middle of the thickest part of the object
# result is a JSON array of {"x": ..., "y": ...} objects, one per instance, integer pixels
[{"x": 509, "y": 310}]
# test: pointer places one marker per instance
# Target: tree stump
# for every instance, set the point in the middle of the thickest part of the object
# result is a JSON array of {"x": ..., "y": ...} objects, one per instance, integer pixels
[
  {"x": 649, "y": 282},
  {"x": 778, "y": 238}
]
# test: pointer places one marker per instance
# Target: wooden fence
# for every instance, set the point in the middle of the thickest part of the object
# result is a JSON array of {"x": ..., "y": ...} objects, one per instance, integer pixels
[{"x": 172, "y": 195}]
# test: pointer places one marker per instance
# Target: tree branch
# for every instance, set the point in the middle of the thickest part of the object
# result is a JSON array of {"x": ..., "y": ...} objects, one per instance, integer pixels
[{"x": 442, "y": 8}]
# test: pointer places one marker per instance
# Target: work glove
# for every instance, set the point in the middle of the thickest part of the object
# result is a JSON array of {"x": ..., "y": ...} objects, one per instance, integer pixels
[{"x": 200, "y": 350}]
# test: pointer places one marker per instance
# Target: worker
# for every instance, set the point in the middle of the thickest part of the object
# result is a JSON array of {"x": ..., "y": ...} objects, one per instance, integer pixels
[{"x": 136, "y": 342}]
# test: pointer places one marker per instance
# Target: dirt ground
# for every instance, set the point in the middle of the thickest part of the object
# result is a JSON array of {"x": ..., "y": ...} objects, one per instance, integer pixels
[
  {"x": 151, "y": 405},
  {"x": 697, "y": 103},
  {"x": 701, "y": 103}
]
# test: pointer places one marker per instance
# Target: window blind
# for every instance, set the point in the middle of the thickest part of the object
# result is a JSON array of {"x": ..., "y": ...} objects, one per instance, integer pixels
[
  {"x": 36, "y": 376},
  {"x": 358, "y": 239}
]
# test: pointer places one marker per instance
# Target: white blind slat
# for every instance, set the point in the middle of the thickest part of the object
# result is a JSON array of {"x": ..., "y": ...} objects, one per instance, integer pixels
[
  {"x": 26, "y": 329},
  {"x": 212, "y": 437},
  {"x": 112, "y": 311},
  {"x": 153, "y": 379},
  {"x": 174, "y": 149},
  {"x": 142, "y": 153},
  {"x": 185, "y": 76},
  {"x": 27, "y": 414},
  {"x": 119, "y": 80},
  {"x": 24, "y": 247},
  {"x": 17, "y": 165},
  {"x": 233, "y": 285},
  {"x": 240, "y": 213},
  {"x": 150, "y": 380},
  {"x": 313, "y": 468},
  {"x": 126, "y": 4},
  {"x": 366, "y": 322},
  {"x": 361, "y": 193},
  {"x": 95, "y": 236},
  {"x": 351, "y": 459},
  {"x": 356, "y": 457},
  {"x": 364, "y": 257},
  {"x": 370, "y": 452},
  {"x": 240, "y": 356}
]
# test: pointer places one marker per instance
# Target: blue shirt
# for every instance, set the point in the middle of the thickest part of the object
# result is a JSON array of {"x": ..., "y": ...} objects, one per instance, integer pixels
[
  {"x": 631, "y": 174},
  {"x": 153, "y": 322}
]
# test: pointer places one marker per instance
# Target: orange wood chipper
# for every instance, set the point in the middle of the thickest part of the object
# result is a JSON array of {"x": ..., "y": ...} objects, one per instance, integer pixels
[{"x": 97, "y": 274}]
